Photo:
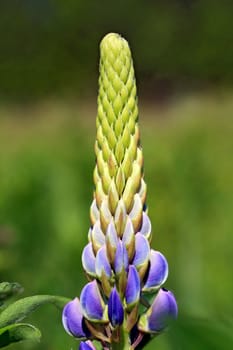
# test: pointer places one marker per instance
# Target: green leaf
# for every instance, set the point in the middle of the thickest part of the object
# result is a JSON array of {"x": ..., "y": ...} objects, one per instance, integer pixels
[
  {"x": 18, "y": 332},
  {"x": 17, "y": 311},
  {"x": 8, "y": 290}
]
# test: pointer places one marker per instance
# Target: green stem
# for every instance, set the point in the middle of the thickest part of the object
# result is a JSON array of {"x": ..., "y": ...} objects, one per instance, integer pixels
[{"x": 124, "y": 343}]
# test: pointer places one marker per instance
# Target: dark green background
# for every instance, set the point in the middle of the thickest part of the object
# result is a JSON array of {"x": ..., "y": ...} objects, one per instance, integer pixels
[{"x": 183, "y": 56}]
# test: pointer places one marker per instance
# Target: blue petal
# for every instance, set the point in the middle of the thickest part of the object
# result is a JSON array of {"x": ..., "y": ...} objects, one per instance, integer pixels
[
  {"x": 102, "y": 264},
  {"x": 142, "y": 250},
  {"x": 132, "y": 292},
  {"x": 72, "y": 319},
  {"x": 87, "y": 345},
  {"x": 163, "y": 308},
  {"x": 88, "y": 259},
  {"x": 115, "y": 309},
  {"x": 92, "y": 302},
  {"x": 158, "y": 271},
  {"x": 121, "y": 258}
]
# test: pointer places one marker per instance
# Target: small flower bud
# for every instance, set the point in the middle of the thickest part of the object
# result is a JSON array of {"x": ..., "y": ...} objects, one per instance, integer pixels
[
  {"x": 115, "y": 309},
  {"x": 102, "y": 265},
  {"x": 132, "y": 292},
  {"x": 146, "y": 226},
  {"x": 73, "y": 321},
  {"x": 163, "y": 309},
  {"x": 128, "y": 238},
  {"x": 158, "y": 271},
  {"x": 142, "y": 254},
  {"x": 121, "y": 258},
  {"x": 88, "y": 260},
  {"x": 97, "y": 237},
  {"x": 92, "y": 304},
  {"x": 111, "y": 241}
]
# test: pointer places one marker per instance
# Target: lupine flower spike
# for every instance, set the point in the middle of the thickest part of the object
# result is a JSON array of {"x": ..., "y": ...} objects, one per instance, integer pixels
[{"x": 123, "y": 303}]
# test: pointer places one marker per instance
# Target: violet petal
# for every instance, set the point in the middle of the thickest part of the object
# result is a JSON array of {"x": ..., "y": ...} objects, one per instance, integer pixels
[
  {"x": 102, "y": 264},
  {"x": 72, "y": 319},
  {"x": 91, "y": 302},
  {"x": 88, "y": 259},
  {"x": 158, "y": 271},
  {"x": 121, "y": 258},
  {"x": 132, "y": 292},
  {"x": 115, "y": 309}
]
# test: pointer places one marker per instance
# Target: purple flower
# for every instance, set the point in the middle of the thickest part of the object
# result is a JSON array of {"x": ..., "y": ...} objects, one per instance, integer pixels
[
  {"x": 72, "y": 319},
  {"x": 142, "y": 254},
  {"x": 88, "y": 260},
  {"x": 92, "y": 303},
  {"x": 132, "y": 292},
  {"x": 163, "y": 309},
  {"x": 115, "y": 309},
  {"x": 158, "y": 271},
  {"x": 121, "y": 258},
  {"x": 102, "y": 265}
]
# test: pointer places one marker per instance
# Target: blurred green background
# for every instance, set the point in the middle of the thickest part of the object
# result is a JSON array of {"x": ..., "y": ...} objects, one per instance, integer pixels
[{"x": 183, "y": 56}]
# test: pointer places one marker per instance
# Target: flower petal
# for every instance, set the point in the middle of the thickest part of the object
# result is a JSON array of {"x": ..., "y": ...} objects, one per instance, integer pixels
[
  {"x": 142, "y": 250},
  {"x": 146, "y": 226},
  {"x": 136, "y": 213},
  {"x": 97, "y": 237},
  {"x": 158, "y": 271},
  {"x": 132, "y": 292},
  {"x": 72, "y": 319},
  {"x": 111, "y": 241},
  {"x": 88, "y": 260},
  {"x": 115, "y": 309},
  {"x": 102, "y": 264},
  {"x": 163, "y": 309},
  {"x": 142, "y": 254},
  {"x": 121, "y": 258},
  {"x": 91, "y": 302},
  {"x": 128, "y": 238}
]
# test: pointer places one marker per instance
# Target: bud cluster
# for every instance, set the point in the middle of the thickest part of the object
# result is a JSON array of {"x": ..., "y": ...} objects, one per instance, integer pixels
[{"x": 123, "y": 302}]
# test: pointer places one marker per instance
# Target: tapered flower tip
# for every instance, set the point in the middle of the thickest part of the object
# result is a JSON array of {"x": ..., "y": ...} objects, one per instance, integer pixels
[
  {"x": 72, "y": 319},
  {"x": 142, "y": 251},
  {"x": 88, "y": 260},
  {"x": 111, "y": 241},
  {"x": 87, "y": 345},
  {"x": 158, "y": 271},
  {"x": 163, "y": 310},
  {"x": 115, "y": 309},
  {"x": 146, "y": 226},
  {"x": 102, "y": 265},
  {"x": 128, "y": 238},
  {"x": 97, "y": 237},
  {"x": 121, "y": 258},
  {"x": 132, "y": 292},
  {"x": 92, "y": 303}
]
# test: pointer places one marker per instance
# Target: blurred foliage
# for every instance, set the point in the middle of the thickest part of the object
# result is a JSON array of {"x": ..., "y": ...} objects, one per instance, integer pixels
[
  {"x": 51, "y": 46},
  {"x": 46, "y": 164}
]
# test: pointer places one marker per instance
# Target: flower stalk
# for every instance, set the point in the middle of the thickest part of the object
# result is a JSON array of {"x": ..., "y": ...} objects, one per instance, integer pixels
[{"x": 123, "y": 270}]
